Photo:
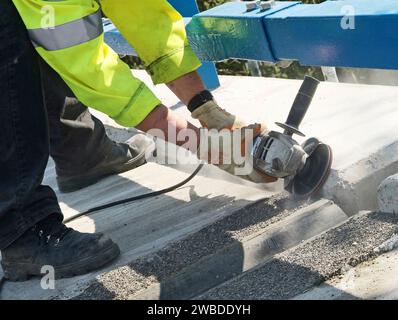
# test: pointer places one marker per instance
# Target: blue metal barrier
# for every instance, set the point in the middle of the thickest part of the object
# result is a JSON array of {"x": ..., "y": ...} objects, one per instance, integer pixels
[{"x": 348, "y": 33}]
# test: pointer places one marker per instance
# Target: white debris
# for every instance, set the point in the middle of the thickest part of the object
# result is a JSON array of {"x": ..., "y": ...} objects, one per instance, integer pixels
[{"x": 388, "y": 245}]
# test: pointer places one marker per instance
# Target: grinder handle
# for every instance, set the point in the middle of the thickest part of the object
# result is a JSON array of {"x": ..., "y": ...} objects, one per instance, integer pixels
[
  {"x": 302, "y": 101},
  {"x": 300, "y": 106}
]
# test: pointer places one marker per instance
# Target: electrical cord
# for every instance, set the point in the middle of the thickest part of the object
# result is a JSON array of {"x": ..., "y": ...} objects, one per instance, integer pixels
[
  {"x": 135, "y": 198},
  {"x": 123, "y": 201}
]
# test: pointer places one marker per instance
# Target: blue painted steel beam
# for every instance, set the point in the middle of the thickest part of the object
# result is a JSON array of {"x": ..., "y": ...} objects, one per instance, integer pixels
[
  {"x": 187, "y": 8},
  {"x": 229, "y": 31},
  {"x": 310, "y": 33}
]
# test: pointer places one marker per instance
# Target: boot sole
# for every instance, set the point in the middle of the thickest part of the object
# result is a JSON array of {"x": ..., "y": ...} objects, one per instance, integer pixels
[
  {"x": 23, "y": 271},
  {"x": 74, "y": 183}
]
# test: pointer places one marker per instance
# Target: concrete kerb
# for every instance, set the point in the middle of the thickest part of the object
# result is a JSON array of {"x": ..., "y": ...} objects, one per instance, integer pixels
[{"x": 355, "y": 188}]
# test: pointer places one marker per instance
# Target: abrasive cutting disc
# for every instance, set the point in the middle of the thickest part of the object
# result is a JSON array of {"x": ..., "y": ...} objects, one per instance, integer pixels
[{"x": 314, "y": 174}]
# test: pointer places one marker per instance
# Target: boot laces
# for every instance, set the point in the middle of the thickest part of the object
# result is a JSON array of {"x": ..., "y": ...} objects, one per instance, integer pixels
[{"x": 54, "y": 236}]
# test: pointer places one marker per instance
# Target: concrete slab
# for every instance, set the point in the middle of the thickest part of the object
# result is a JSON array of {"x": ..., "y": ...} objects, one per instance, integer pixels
[
  {"x": 147, "y": 225},
  {"x": 372, "y": 280},
  {"x": 388, "y": 194},
  {"x": 357, "y": 121},
  {"x": 150, "y": 228},
  {"x": 309, "y": 264}
]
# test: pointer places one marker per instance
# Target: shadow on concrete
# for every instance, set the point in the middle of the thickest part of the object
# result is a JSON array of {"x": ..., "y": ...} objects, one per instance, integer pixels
[
  {"x": 191, "y": 266},
  {"x": 132, "y": 227},
  {"x": 188, "y": 267},
  {"x": 275, "y": 280}
]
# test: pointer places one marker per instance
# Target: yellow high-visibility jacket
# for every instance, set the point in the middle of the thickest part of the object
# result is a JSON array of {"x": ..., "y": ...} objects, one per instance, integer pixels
[{"x": 68, "y": 35}]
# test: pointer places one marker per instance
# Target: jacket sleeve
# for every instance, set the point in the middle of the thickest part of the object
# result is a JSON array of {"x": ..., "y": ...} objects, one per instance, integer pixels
[
  {"x": 68, "y": 35},
  {"x": 157, "y": 32}
]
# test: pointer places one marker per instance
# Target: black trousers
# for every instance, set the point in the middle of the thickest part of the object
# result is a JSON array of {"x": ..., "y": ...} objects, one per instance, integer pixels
[{"x": 39, "y": 117}]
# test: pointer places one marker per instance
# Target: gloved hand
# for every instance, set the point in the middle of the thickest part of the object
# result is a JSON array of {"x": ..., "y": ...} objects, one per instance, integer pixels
[
  {"x": 211, "y": 116},
  {"x": 229, "y": 150}
]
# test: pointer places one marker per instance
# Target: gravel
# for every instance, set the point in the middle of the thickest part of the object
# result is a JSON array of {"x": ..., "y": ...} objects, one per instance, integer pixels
[{"x": 309, "y": 264}]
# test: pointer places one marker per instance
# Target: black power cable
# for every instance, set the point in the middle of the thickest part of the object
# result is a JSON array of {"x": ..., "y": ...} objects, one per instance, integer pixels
[
  {"x": 123, "y": 201},
  {"x": 135, "y": 198}
]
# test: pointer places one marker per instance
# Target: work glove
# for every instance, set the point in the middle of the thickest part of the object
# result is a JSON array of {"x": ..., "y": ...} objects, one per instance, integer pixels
[
  {"x": 211, "y": 116},
  {"x": 229, "y": 150}
]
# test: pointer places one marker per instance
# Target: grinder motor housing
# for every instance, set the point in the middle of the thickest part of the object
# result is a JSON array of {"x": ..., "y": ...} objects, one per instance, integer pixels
[
  {"x": 304, "y": 167},
  {"x": 278, "y": 155}
]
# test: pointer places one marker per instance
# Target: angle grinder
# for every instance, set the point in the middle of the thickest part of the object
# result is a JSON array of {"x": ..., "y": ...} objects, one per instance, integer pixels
[{"x": 304, "y": 168}]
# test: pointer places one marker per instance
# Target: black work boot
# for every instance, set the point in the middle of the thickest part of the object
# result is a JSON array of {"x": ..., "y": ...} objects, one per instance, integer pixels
[
  {"x": 120, "y": 157},
  {"x": 51, "y": 243}
]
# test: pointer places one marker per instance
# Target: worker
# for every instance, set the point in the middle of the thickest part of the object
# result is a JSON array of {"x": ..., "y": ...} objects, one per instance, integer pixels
[
  {"x": 73, "y": 130},
  {"x": 31, "y": 231},
  {"x": 77, "y": 63}
]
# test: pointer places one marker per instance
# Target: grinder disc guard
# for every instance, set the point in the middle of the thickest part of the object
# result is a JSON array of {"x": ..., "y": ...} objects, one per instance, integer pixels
[{"x": 314, "y": 173}]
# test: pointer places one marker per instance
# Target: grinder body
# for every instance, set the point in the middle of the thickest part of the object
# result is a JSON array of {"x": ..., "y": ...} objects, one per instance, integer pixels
[
  {"x": 304, "y": 167},
  {"x": 277, "y": 155}
]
